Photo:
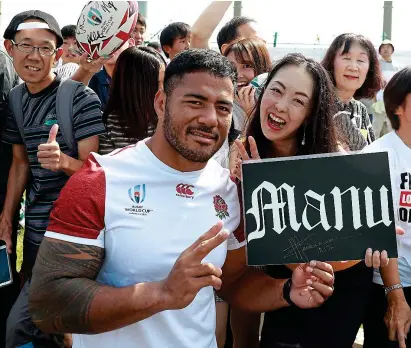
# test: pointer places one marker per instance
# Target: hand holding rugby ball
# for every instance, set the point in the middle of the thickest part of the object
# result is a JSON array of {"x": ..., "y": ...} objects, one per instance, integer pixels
[{"x": 104, "y": 26}]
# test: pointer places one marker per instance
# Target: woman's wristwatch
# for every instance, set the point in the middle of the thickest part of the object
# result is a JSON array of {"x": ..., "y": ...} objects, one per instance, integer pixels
[
  {"x": 392, "y": 287},
  {"x": 286, "y": 293}
]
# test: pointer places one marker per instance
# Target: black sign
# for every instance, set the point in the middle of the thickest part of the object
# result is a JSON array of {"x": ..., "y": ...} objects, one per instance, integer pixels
[{"x": 323, "y": 207}]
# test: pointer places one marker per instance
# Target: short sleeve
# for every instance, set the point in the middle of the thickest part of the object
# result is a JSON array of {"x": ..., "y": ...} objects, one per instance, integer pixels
[
  {"x": 87, "y": 117},
  {"x": 11, "y": 133},
  {"x": 78, "y": 213},
  {"x": 8, "y": 80},
  {"x": 236, "y": 240}
]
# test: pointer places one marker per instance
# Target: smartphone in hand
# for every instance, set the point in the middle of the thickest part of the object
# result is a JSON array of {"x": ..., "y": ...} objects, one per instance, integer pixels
[{"x": 6, "y": 276}]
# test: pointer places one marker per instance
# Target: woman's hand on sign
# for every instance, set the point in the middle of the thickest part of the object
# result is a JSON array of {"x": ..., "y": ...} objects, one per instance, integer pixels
[
  {"x": 376, "y": 259},
  {"x": 312, "y": 284},
  {"x": 243, "y": 156}
]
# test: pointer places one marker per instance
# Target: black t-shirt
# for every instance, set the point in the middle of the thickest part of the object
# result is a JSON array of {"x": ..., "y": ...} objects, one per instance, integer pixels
[{"x": 8, "y": 80}]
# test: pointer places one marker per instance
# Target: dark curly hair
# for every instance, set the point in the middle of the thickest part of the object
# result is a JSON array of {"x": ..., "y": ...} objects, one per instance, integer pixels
[
  {"x": 320, "y": 132},
  {"x": 373, "y": 80},
  {"x": 195, "y": 60}
]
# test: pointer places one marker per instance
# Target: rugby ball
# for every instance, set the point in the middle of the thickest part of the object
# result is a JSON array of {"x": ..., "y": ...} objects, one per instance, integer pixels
[{"x": 104, "y": 26}]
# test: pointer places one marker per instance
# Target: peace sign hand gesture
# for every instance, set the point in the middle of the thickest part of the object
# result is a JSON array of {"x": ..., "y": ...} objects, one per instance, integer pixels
[{"x": 242, "y": 155}]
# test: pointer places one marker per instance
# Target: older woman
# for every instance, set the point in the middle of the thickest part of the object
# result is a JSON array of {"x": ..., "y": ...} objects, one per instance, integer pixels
[{"x": 353, "y": 66}]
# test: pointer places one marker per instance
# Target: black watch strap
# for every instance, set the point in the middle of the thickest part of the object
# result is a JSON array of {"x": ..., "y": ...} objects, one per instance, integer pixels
[{"x": 287, "y": 291}]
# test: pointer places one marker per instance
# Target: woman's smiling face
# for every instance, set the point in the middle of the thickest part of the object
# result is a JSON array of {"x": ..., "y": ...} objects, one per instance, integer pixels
[
  {"x": 286, "y": 102},
  {"x": 351, "y": 68}
]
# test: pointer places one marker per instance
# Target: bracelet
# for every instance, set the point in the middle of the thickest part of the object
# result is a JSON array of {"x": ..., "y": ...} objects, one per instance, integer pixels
[
  {"x": 287, "y": 291},
  {"x": 392, "y": 287}
]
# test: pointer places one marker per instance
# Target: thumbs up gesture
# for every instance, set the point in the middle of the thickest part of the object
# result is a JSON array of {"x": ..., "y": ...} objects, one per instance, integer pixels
[{"x": 49, "y": 154}]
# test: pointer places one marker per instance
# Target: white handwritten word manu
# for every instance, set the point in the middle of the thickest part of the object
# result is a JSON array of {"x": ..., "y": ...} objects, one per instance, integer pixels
[{"x": 280, "y": 207}]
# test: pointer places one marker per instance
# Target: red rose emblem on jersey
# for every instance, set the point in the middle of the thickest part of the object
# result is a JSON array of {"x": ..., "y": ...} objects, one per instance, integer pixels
[{"x": 220, "y": 207}]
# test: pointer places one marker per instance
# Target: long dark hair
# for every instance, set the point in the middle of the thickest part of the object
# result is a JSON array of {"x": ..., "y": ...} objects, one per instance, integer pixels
[
  {"x": 319, "y": 129},
  {"x": 256, "y": 52},
  {"x": 133, "y": 88},
  {"x": 373, "y": 80}
]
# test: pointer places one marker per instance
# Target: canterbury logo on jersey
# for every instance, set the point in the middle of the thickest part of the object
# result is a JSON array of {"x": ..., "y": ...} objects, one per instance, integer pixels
[{"x": 184, "y": 190}]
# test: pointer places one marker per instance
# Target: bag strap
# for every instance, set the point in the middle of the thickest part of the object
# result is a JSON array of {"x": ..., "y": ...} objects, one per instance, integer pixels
[
  {"x": 16, "y": 105},
  {"x": 64, "y": 108}
]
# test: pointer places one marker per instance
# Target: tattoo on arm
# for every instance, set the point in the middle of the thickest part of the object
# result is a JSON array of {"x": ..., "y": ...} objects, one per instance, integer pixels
[{"x": 63, "y": 285}]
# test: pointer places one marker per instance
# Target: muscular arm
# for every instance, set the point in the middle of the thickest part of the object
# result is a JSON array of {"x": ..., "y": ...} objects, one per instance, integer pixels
[
  {"x": 71, "y": 165},
  {"x": 205, "y": 25},
  {"x": 17, "y": 181},
  {"x": 64, "y": 296},
  {"x": 242, "y": 284}
]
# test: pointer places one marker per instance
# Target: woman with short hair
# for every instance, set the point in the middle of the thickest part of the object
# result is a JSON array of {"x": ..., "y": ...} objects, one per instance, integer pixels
[{"x": 354, "y": 69}]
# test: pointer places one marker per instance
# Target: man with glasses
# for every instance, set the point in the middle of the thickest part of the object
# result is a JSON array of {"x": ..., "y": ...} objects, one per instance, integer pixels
[{"x": 42, "y": 160}]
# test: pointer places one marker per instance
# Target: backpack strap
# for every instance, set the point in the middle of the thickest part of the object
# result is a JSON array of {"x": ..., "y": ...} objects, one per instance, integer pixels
[
  {"x": 64, "y": 108},
  {"x": 16, "y": 105}
]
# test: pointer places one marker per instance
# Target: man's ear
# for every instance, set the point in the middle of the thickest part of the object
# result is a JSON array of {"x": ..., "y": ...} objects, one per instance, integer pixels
[
  {"x": 131, "y": 42},
  {"x": 223, "y": 48},
  {"x": 9, "y": 47},
  {"x": 166, "y": 49},
  {"x": 400, "y": 111},
  {"x": 160, "y": 104}
]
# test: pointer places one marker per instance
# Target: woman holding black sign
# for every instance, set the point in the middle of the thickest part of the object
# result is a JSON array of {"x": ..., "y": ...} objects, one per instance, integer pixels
[
  {"x": 353, "y": 66},
  {"x": 390, "y": 302},
  {"x": 294, "y": 116}
]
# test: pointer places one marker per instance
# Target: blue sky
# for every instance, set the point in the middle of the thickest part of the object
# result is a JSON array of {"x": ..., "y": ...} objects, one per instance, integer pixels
[{"x": 296, "y": 21}]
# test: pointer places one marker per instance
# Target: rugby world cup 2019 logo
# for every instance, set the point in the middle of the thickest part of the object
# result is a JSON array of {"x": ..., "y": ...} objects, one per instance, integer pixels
[
  {"x": 137, "y": 193},
  {"x": 94, "y": 17}
]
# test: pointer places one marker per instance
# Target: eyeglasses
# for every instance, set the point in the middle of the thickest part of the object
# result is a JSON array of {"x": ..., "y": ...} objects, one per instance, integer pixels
[{"x": 27, "y": 48}]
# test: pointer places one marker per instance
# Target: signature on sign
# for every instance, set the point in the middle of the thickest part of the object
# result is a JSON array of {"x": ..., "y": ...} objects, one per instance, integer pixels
[{"x": 298, "y": 247}]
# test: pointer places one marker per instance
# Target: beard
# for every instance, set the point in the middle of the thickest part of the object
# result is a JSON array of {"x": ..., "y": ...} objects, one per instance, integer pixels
[{"x": 172, "y": 132}]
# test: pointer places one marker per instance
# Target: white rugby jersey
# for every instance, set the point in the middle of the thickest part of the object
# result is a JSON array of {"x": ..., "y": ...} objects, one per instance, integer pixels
[
  {"x": 145, "y": 214},
  {"x": 399, "y": 156}
]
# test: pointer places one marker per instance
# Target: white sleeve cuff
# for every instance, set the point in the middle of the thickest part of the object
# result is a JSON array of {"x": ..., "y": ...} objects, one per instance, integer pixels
[{"x": 79, "y": 240}]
